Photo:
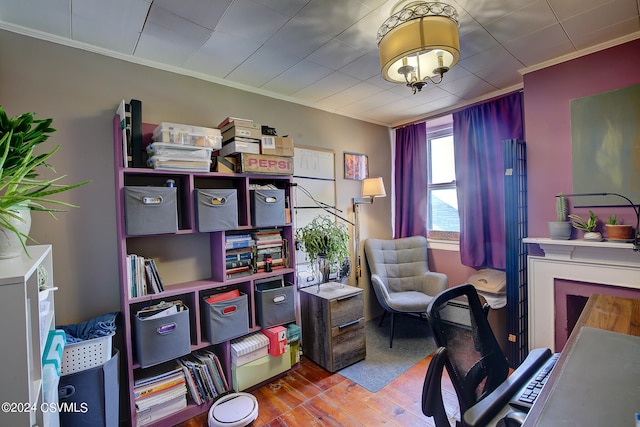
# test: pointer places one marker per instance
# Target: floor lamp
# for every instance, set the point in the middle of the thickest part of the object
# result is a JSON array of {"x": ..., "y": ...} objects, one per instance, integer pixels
[{"x": 371, "y": 188}]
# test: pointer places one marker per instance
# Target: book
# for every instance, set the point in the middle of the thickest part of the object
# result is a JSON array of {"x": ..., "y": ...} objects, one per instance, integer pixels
[
  {"x": 136, "y": 133},
  {"x": 124, "y": 115},
  {"x": 161, "y": 410},
  {"x": 223, "y": 296},
  {"x": 240, "y": 263},
  {"x": 191, "y": 385},
  {"x": 233, "y": 244}
]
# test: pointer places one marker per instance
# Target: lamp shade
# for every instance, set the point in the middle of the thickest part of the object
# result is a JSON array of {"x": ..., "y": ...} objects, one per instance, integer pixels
[
  {"x": 419, "y": 42},
  {"x": 373, "y": 187}
]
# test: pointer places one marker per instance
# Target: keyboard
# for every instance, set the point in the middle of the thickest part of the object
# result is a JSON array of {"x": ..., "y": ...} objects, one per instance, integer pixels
[{"x": 524, "y": 398}]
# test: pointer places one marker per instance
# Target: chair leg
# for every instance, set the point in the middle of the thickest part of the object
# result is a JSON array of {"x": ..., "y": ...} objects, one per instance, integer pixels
[
  {"x": 391, "y": 334},
  {"x": 382, "y": 318}
]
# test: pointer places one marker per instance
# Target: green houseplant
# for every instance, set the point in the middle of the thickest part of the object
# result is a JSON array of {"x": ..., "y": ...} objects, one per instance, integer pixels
[
  {"x": 21, "y": 188},
  {"x": 325, "y": 242},
  {"x": 616, "y": 230},
  {"x": 588, "y": 225},
  {"x": 560, "y": 229}
]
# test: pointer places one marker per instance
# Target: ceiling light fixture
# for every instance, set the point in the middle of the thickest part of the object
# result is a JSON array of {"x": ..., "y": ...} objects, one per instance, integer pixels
[{"x": 418, "y": 43}]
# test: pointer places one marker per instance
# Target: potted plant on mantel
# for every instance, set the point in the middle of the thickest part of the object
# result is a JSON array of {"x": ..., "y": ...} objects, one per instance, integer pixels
[
  {"x": 588, "y": 225},
  {"x": 325, "y": 242},
  {"x": 21, "y": 190},
  {"x": 617, "y": 231},
  {"x": 561, "y": 228}
]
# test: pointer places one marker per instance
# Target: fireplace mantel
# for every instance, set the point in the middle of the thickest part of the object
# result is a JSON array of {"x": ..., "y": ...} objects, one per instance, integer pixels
[{"x": 610, "y": 264}]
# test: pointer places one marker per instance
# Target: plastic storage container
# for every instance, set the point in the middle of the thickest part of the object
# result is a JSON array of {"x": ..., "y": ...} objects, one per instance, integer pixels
[
  {"x": 175, "y": 133},
  {"x": 179, "y": 152},
  {"x": 171, "y": 164},
  {"x": 86, "y": 354}
]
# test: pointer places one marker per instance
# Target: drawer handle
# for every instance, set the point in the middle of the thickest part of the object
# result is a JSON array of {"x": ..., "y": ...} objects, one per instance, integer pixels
[
  {"x": 353, "y": 322},
  {"x": 346, "y": 297},
  {"x": 278, "y": 299},
  {"x": 166, "y": 329}
]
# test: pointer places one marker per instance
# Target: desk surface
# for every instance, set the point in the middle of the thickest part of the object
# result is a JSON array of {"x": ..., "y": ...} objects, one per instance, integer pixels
[{"x": 603, "y": 312}]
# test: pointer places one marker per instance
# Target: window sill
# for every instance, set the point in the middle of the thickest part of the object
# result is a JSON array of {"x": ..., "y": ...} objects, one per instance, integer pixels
[{"x": 444, "y": 245}]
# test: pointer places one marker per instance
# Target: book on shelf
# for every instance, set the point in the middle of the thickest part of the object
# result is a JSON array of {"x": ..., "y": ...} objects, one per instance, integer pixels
[
  {"x": 242, "y": 263},
  {"x": 276, "y": 262},
  {"x": 239, "y": 254},
  {"x": 206, "y": 378},
  {"x": 234, "y": 244},
  {"x": 143, "y": 277},
  {"x": 239, "y": 271},
  {"x": 161, "y": 410},
  {"x": 158, "y": 386}
]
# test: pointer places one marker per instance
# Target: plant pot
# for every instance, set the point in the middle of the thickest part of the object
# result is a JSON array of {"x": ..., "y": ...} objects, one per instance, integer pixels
[
  {"x": 10, "y": 242},
  {"x": 593, "y": 236},
  {"x": 560, "y": 230},
  {"x": 619, "y": 232}
]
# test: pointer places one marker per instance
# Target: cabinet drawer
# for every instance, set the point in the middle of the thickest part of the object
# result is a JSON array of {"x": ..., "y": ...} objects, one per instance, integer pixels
[
  {"x": 347, "y": 308},
  {"x": 348, "y": 344}
]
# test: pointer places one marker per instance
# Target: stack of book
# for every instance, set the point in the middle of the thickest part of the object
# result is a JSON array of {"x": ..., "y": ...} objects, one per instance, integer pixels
[
  {"x": 142, "y": 276},
  {"x": 160, "y": 395},
  {"x": 269, "y": 244},
  {"x": 204, "y": 374},
  {"x": 239, "y": 255}
]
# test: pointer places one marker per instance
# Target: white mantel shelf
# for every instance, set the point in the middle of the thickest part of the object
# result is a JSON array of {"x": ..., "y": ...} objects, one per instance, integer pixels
[
  {"x": 603, "y": 263},
  {"x": 605, "y": 252}
]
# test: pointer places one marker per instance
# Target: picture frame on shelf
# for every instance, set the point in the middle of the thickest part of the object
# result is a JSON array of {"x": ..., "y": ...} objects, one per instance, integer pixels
[{"x": 356, "y": 166}]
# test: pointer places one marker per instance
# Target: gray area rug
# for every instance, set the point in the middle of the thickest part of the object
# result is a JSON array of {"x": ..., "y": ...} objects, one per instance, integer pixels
[{"x": 412, "y": 342}]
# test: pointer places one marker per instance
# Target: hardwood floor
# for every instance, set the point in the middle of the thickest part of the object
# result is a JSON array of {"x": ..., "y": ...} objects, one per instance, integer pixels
[{"x": 311, "y": 396}]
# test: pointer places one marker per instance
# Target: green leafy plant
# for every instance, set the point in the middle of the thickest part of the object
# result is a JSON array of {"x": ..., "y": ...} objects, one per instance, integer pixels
[
  {"x": 588, "y": 225},
  {"x": 613, "y": 220},
  {"x": 20, "y": 185},
  {"x": 561, "y": 208},
  {"x": 326, "y": 237}
]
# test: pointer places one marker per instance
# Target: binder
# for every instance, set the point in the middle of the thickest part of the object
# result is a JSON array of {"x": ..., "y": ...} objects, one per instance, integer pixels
[{"x": 136, "y": 133}]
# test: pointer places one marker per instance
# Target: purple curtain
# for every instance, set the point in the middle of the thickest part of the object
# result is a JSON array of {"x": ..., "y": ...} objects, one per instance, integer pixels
[
  {"x": 478, "y": 133},
  {"x": 410, "y": 174}
]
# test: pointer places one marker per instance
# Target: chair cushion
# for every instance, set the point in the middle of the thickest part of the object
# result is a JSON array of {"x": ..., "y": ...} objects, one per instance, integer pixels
[
  {"x": 409, "y": 301},
  {"x": 401, "y": 262}
]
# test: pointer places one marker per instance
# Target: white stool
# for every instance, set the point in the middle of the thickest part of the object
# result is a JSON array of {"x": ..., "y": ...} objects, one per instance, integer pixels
[{"x": 234, "y": 410}]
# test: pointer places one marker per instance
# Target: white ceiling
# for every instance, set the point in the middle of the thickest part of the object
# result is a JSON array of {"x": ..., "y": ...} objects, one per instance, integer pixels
[{"x": 323, "y": 53}]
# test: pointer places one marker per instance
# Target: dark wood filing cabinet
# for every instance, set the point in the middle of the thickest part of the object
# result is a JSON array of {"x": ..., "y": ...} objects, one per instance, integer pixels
[{"x": 333, "y": 325}]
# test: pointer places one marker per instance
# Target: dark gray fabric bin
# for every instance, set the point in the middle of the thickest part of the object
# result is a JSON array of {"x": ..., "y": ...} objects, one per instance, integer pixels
[
  {"x": 150, "y": 210},
  {"x": 267, "y": 207},
  {"x": 216, "y": 209},
  {"x": 94, "y": 389},
  {"x": 274, "y": 302},
  {"x": 225, "y": 320},
  {"x": 162, "y": 339}
]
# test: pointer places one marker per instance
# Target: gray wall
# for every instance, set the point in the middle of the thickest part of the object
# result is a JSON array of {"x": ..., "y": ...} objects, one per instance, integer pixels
[{"x": 81, "y": 90}]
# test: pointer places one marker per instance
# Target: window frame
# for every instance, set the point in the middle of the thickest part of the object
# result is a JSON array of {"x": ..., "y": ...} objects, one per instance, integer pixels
[{"x": 435, "y": 133}]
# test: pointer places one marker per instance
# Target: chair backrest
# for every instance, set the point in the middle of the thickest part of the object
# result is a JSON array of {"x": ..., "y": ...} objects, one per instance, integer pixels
[
  {"x": 474, "y": 360},
  {"x": 398, "y": 261}
]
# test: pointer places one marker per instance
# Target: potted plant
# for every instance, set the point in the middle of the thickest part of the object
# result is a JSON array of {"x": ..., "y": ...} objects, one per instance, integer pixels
[
  {"x": 21, "y": 189},
  {"x": 588, "y": 225},
  {"x": 560, "y": 229},
  {"x": 617, "y": 231},
  {"x": 325, "y": 242}
]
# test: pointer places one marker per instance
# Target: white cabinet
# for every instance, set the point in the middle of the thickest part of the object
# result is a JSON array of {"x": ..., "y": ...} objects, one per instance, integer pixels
[{"x": 26, "y": 316}]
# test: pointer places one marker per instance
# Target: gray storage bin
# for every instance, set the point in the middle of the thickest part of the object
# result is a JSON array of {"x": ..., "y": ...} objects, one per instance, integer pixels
[
  {"x": 150, "y": 210},
  {"x": 267, "y": 207},
  {"x": 94, "y": 389},
  {"x": 162, "y": 339},
  {"x": 225, "y": 320},
  {"x": 216, "y": 209},
  {"x": 274, "y": 302}
]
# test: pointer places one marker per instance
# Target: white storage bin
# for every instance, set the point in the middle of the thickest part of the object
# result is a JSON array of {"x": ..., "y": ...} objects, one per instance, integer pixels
[
  {"x": 249, "y": 348},
  {"x": 86, "y": 354},
  {"x": 176, "y": 133},
  {"x": 168, "y": 163},
  {"x": 179, "y": 152}
]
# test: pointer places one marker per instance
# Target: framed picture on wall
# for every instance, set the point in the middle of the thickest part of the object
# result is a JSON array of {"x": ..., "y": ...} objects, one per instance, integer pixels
[{"x": 356, "y": 166}]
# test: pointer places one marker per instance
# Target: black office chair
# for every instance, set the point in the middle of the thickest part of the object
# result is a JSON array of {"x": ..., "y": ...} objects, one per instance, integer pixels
[{"x": 471, "y": 354}]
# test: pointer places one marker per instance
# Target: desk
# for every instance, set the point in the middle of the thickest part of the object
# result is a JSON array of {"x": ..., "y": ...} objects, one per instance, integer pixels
[{"x": 602, "y": 312}]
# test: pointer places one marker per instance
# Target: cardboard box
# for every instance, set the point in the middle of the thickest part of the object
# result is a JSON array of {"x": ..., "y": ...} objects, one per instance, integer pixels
[
  {"x": 238, "y": 145},
  {"x": 224, "y": 164},
  {"x": 263, "y": 163},
  {"x": 277, "y": 146},
  {"x": 254, "y": 131},
  {"x": 277, "y": 340}
]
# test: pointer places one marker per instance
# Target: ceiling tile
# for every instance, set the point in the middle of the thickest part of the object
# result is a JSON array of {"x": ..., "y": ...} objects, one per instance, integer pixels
[
  {"x": 217, "y": 58},
  {"x": 601, "y": 18},
  {"x": 362, "y": 35},
  {"x": 327, "y": 86},
  {"x": 467, "y": 87},
  {"x": 335, "y": 54},
  {"x": 526, "y": 20},
  {"x": 296, "y": 38},
  {"x": 101, "y": 24},
  {"x": 567, "y": 8},
  {"x": 370, "y": 103},
  {"x": 53, "y": 16},
  {"x": 248, "y": 19},
  {"x": 265, "y": 64},
  {"x": 485, "y": 11},
  {"x": 205, "y": 13},
  {"x": 333, "y": 16},
  {"x": 475, "y": 42},
  {"x": 296, "y": 78},
  {"x": 541, "y": 45},
  {"x": 352, "y": 94},
  {"x": 286, "y": 7},
  {"x": 584, "y": 40},
  {"x": 363, "y": 67}
]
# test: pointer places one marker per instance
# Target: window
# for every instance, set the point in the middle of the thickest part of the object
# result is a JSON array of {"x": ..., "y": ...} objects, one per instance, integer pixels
[{"x": 443, "y": 221}]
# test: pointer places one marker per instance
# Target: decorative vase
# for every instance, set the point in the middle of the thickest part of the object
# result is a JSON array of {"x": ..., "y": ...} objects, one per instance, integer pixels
[
  {"x": 594, "y": 236},
  {"x": 560, "y": 230},
  {"x": 324, "y": 267},
  {"x": 10, "y": 242},
  {"x": 619, "y": 232}
]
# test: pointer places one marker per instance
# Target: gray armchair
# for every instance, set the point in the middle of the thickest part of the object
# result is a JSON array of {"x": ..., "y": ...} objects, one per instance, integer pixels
[{"x": 400, "y": 276}]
